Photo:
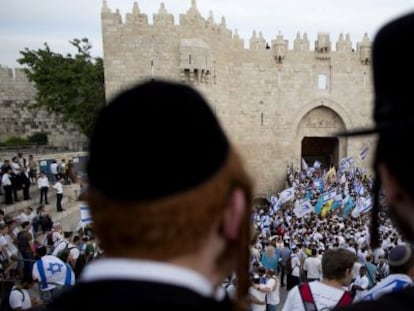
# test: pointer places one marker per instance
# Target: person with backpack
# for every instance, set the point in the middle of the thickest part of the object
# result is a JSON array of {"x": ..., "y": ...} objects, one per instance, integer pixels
[
  {"x": 67, "y": 249},
  {"x": 337, "y": 266},
  {"x": 52, "y": 274},
  {"x": 20, "y": 297}
]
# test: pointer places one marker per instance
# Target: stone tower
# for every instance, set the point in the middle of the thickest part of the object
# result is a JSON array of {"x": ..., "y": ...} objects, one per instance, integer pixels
[{"x": 277, "y": 104}]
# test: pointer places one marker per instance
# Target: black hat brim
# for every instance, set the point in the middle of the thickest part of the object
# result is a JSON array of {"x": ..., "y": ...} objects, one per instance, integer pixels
[{"x": 385, "y": 127}]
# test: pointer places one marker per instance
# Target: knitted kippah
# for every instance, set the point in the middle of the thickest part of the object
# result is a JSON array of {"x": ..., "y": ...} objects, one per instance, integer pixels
[
  {"x": 156, "y": 139},
  {"x": 400, "y": 255}
]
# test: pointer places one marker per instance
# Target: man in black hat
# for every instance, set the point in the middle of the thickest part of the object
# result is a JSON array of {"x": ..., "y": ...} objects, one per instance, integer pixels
[
  {"x": 174, "y": 224},
  {"x": 394, "y": 123}
]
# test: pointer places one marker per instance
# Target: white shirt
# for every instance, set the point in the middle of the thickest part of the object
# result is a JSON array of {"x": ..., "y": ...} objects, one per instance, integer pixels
[
  {"x": 363, "y": 282},
  {"x": 42, "y": 182},
  {"x": 74, "y": 251},
  {"x": 261, "y": 296},
  {"x": 58, "y": 187},
  {"x": 313, "y": 267},
  {"x": 5, "y": 180},
  {"x": 19, "y": 299},
  {"x": 325, "y": 296},
  {"x": 273, "y": 298},
  {"x": 53, "y": 168}
]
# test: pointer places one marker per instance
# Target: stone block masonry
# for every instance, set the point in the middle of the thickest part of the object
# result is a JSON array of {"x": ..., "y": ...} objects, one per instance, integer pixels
[{"x": 270, "y": 99}]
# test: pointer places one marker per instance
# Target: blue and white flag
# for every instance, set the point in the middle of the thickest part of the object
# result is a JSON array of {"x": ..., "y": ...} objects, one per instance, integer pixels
[
  {"x": 85, "y": 215},
  {"x": 391, "y": 284},
  {"x": 287, "y": 195},
  {"x": 345, "y": 164},
  {"x": 304, "y": 165},
  {"x": 317, "y": 164},
  {"x": 302, "y": 208},
  {"x": 358, "y": 187},
  {"x": 337, "y": 202},
  {"x": 363, "y": 153},
  {"x": 363, "y": 205},
  {"x": 329, "y": 195}
]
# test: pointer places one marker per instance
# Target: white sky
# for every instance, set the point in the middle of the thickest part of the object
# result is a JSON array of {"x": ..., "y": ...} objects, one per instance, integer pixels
[{"x": 30, "y": 23}]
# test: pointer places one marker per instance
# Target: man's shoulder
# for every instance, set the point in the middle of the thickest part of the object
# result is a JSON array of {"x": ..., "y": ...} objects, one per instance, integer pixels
[{"x": 131, "y": 293}]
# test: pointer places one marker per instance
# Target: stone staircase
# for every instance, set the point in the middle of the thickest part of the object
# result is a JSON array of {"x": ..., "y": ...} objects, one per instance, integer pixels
[{"x": 70, "y": 202}]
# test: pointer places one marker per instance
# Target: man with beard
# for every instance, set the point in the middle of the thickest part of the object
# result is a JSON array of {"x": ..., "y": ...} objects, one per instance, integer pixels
[
  {"x": 394, "y": 123},
  {"x": 173, "y": 223}
]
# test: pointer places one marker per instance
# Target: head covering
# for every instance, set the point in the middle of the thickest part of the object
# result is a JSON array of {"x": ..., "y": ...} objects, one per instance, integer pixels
[
  {"x": 400, "y": 255},
  {"x": 156, "y": 139},
  {"x": 392, "y": 60}
]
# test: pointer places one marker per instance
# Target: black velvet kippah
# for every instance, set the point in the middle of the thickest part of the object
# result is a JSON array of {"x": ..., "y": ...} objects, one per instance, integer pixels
[{"x": 156, "y": 139}]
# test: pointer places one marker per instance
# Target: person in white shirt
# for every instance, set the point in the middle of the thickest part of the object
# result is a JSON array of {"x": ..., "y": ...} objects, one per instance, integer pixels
[
  {"x": 53, "y": 275},
  {"x": 58, "y": 187},
  {"x": 360, "y": 285},
  {"x": 43, "y": 185},
  {"x": 313, "y": 266},
  {"x": 337, "y": 266},
  {"x": 256, "y": 295},
  {"x": 273, "y": 293},
  {"x": 20, "y": 297}
]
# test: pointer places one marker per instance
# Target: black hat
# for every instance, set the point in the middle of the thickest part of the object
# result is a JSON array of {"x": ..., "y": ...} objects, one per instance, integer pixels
[
  {"x": 392, "y": 61},
  {"x": 156, "y": 139}
]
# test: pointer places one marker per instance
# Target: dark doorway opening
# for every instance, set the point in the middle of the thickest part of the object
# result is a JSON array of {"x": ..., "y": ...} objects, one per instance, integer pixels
[{"x": 322, "y": 149}]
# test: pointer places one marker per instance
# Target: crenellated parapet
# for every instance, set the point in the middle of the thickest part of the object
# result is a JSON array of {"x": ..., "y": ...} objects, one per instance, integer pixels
[
  {"x": 301, "y": 44},
  {"x": 193, "y": 22},
  {"x": 344, "y": 45}
]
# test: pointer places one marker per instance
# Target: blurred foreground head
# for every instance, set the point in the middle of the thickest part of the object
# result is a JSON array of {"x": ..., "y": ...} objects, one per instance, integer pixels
[
  {"x": 165, "y": 182},
  {"x": 393, "y": 114}
]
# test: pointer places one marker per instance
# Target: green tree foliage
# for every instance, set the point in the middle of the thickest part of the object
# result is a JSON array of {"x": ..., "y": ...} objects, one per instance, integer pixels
[{"x": 70, "y": 86}]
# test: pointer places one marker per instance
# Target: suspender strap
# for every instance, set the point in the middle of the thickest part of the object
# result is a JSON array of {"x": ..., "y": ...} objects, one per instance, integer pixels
[
  {"x": 307, "y": 297},
  {"x": 346, "y": 299},
  {"x": 68, "y": 277},
  {"x": 42, "y": 273}
]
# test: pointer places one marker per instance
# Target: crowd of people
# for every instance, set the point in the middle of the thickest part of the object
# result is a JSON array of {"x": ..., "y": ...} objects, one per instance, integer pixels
[
  {"x": 38, "y": 260},
  {"x": 181, "y": 220}
]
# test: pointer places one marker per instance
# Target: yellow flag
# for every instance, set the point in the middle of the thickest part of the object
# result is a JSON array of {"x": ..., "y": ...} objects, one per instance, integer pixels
[{"x": 326, "y": 208}]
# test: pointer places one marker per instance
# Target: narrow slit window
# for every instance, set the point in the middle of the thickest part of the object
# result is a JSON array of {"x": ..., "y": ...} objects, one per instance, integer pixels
[{"x": 322, "y": 82}]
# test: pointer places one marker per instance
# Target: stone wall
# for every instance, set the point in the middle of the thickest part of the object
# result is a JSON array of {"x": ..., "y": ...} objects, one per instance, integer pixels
[
  {"x": 267, "y": 96},
  {"x": 18, "y": 120}
]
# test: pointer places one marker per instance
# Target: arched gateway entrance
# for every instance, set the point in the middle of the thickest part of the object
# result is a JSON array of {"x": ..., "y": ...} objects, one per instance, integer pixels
[
  {"x": 317, "y": 139},
  {"x": 322, "y": 149}
]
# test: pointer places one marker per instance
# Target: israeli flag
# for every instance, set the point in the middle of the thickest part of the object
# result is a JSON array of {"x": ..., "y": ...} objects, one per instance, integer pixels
[
  {"x": 85, "y": 215},
  {"x": 345, "y": 164},
  {"x": 329, "y": 195},
  {"x": 391, "y": 284},
  {"x": 363, "y": 153},
  {"x": 302, "y": 208},
  {"x": 287, "y": 195},
  {"x": 317, "y": 164}
]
